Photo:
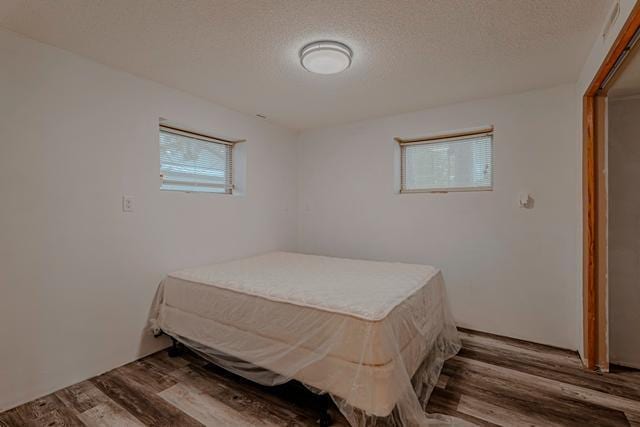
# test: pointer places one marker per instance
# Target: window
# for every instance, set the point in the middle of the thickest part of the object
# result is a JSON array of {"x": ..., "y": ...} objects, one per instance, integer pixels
[
  {"x": 455, "y": 162},
  {"x": 194, "y": 162}
]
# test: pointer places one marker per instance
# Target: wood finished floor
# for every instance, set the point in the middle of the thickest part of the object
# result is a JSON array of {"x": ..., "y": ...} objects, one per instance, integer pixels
[{"x": 492, "y": 381}]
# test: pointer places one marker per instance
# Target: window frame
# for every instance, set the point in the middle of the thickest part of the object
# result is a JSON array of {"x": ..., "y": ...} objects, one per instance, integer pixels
[
  {"x": 228, "y": 190},
  {"x": 403, "y": 143}
]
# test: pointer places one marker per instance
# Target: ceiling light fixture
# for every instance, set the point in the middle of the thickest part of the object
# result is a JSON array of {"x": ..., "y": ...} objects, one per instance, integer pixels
[{"x": 326, "y": 57}]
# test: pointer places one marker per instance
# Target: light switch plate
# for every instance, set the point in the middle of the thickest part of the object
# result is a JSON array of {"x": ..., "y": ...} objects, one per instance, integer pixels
[{"x": 127, "y": 204}]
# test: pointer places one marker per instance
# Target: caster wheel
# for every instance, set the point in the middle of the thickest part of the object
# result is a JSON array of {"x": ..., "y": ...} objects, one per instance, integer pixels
[{"x": 176, "y": 349}]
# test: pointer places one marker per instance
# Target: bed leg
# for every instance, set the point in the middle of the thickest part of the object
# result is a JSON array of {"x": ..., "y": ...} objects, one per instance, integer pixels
[
  {"x": 176, "y": 348},
  {"x": 325, "y": 418}
]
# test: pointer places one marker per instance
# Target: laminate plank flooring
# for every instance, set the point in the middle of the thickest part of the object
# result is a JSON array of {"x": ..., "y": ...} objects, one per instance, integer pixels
[{"x": 492, "y": 381}]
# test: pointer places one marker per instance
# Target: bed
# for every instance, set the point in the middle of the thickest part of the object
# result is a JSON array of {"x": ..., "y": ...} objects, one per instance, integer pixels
[{"x": 360, "y": 331}]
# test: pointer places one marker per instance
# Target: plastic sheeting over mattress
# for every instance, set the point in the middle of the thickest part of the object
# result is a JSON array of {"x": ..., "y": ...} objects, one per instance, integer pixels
[{"x": 374, "y": 335}]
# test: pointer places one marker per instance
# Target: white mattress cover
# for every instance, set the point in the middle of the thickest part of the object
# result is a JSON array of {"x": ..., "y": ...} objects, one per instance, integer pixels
[
  {"x": 366, "y": 289},
  {"x": 356, "y": 329}
]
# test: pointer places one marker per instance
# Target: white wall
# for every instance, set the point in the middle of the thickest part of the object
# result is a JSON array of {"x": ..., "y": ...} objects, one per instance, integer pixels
[
  {"x": 508, "y": 270},
  {"x": 624, "y": 231},
  {"x": 77, "y": 275}
]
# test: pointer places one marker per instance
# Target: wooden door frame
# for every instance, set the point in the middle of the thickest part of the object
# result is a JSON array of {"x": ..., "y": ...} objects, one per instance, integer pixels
[{"x": 594, "y": 200}]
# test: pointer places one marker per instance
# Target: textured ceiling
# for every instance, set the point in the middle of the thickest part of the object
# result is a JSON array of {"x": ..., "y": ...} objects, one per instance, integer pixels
[
  {"x": 627, "y": 80},
  {"x": 243, "y": 54}
]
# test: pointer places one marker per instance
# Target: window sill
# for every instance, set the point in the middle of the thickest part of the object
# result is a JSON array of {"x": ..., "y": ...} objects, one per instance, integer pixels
[{"x": 446, "y": 190}]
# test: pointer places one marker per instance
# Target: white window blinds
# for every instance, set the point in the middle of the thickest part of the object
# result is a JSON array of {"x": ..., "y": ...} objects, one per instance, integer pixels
[
  {"x": 462, "y": 162},
  {"x": 192, "y": 162}
]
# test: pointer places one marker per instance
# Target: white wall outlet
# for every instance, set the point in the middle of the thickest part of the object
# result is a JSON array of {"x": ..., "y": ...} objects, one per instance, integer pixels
[{"x": 127, "y": 204}]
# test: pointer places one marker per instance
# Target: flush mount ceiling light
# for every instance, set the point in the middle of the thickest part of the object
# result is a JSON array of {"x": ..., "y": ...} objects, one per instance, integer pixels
[{"x": 326, "y": 57}]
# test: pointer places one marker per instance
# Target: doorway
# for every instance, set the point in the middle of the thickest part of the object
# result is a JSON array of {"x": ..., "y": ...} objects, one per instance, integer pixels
[
  {"x": 614, "y": 79},
  {"x": 623, "y": 207}
]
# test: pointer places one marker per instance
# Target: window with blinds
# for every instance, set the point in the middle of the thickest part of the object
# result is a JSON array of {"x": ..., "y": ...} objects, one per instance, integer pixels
[
  {"x": 194, "y": 163},
  {"x": 456, "y": 162}
]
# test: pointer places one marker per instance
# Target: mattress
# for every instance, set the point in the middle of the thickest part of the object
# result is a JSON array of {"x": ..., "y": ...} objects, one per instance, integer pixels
[{"x": 356, "y": 329}]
